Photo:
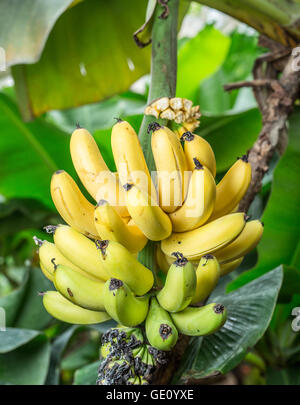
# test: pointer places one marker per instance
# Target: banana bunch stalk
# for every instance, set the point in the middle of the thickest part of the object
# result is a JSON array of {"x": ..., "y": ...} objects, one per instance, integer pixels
[{"x": 92, "y": 260}]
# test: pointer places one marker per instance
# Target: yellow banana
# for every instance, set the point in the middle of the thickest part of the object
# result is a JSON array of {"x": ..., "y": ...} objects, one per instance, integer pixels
[
  {"x": 46, "y": 272},
  {"x": 161, "y": 260},
  {"x": 93, "y": 171},
  {"x": 206, "y": 239},
  {"x": 78, "y": 249},
  {"x": 199, "y": 202},
  {"x": 243, "y": 244},
  {"x": 129, "y": 158},
  {"x": 121, "y": 304},
  {"x": 228, "y": 267},
  {"x": 197, "y": 147},
  {"x": 146, "y": 214},
  {"x": 71, "y": 204},
  {"x": 64, "y": 310},
  {"x": 172, "y": 175},
  {"x": 79, "y": 289},
  {"x": 232, "y": 188},
  {"x": 200, "y": 321},
  {"x": 110, "y": 226},
  {"x": 50, "y": 257},
  {"x": 180, "y": 285},
  {"x": 119, "y": 263},
  {"x": 208, "y": 274}
]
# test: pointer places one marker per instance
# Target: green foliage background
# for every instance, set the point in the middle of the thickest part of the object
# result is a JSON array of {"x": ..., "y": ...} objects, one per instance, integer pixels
[{"x": 35, "y": 348}]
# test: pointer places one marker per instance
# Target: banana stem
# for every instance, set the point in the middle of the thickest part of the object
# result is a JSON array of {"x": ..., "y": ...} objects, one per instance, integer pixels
[{"x": 162, "y": 83}]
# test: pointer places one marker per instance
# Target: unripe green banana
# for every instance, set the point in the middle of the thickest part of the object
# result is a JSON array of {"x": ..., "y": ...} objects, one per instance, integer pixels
[
  {"x": 160, "y": 330},
  {"x": 119, "y": 263},
  {"x": 208, "y": 274},
  {"x": 180, "y": 285},
  {"x": 64, "y": 310},
  {"x": 200, "y": 321},
  {"x": 79, "y": 289},
  {"x": 122, "y": 305}
]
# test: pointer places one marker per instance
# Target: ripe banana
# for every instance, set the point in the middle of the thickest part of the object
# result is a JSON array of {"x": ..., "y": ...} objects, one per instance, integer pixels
[
  {"x": 200, "y": 321},
  {"x": 78, "y": 249},
  {"x": 208, "y": 274},
  {"x": 243, "y": 244},
  {"x": 228, "y": 267},
  {"x": 46, "y": 273},
  {"x": 93, "y": 171},
  {"x": 129, "y": 158},
  {"x": 199, "y": 202},
  {"x": 206, "y": 239},
  {"x": 147, "y": 215},
  {"x": 180, "y": 285},
  {"x": 121, "y": 304},
  {"x": 110, "y": 226},
  {"x": 160, "y": 330},
  {"x": 64, "y": 310},
  {"x": 50, "y": 257},
  {"x": 79, "y": 289},
  {"x": 119, "y": 263},
  {"x": 232, "y": 188},
  {"x": 171, "y": 166},
  {"x": 161, "y": 260},
  {"x": 197, "y": 147},
  {"x": 71, "y": 204}
]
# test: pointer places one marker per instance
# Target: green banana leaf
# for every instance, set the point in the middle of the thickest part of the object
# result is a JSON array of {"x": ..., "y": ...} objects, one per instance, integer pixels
[
  {"x": 250, "y": 309},
  {"x": 87, "y": 375},
  {"x": 199, "y": 58},
  {"x": 13, "y": 338},
  {"x": 95, "y": 57},
  {"x": 277, "y": 19},
  {"x": 280, "y": 241},
  {"x": 285, "y": 376},
  {"x": 28, "y": 364},
  {"x": 25, "y": 26}
]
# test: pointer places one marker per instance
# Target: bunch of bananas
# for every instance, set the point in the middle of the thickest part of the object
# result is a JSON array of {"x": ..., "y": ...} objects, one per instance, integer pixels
[
  {"x": 127, "y": 359},
  {"x": 93, "y": 260}
]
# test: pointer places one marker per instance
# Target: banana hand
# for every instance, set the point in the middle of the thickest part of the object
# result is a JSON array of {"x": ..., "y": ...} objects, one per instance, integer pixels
[
  {"x": 200, "y": 321},
  {"x": 64, "y": 310},
  {"x": 71, "y": 204},
  {"x": 121, "y": 304},
  {"x": 206, "y": 239},
  {"x": 208, "y": 274},
  {"x": 160, "y": 330},
  {"x": 180, "y": 285},
  {"x": 199, "y": 203},
  {"x": 111, "y": 226}
]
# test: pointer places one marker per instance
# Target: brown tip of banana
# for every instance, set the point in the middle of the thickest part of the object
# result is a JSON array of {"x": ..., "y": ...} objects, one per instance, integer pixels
[
  {"x": 127, "y": 186},
  {"x": 115, "y": 284},
  {"x": 38, "y": 241},
  {"x": 180, "y": 259},
  {"x": 58, "y": 172},
  {"x": 198, "y": 165},
  {"x": 102, "y": 245},
  {"x": 118, "y": 119},
  {"x": 50, "y": 228},
  {"x": 187, "y": 136},
  {"x": 219, "y": 308},
  {"x": 78, "y": 126},
  {"x": 244, "y": 158},
  {"x": 41, "y": 293},
  {"x": 165, "y": 331},
  {"x": 101, "y": 202},
  {"x": 153, "y": 126}
]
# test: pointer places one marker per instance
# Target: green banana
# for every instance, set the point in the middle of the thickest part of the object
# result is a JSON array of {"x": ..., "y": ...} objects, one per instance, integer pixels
[
  {"x": 160, "y": 330},
  {"x": 119, "y": 263},
  {"x": 121, "y": 304},
  {"x": 64, "y": 310},
  {"x": 208, "y": 274},
  {"x": 200, "y": 321},
  {"x": 180, "y": 285},
  {"x": 83, "y": 291}
]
